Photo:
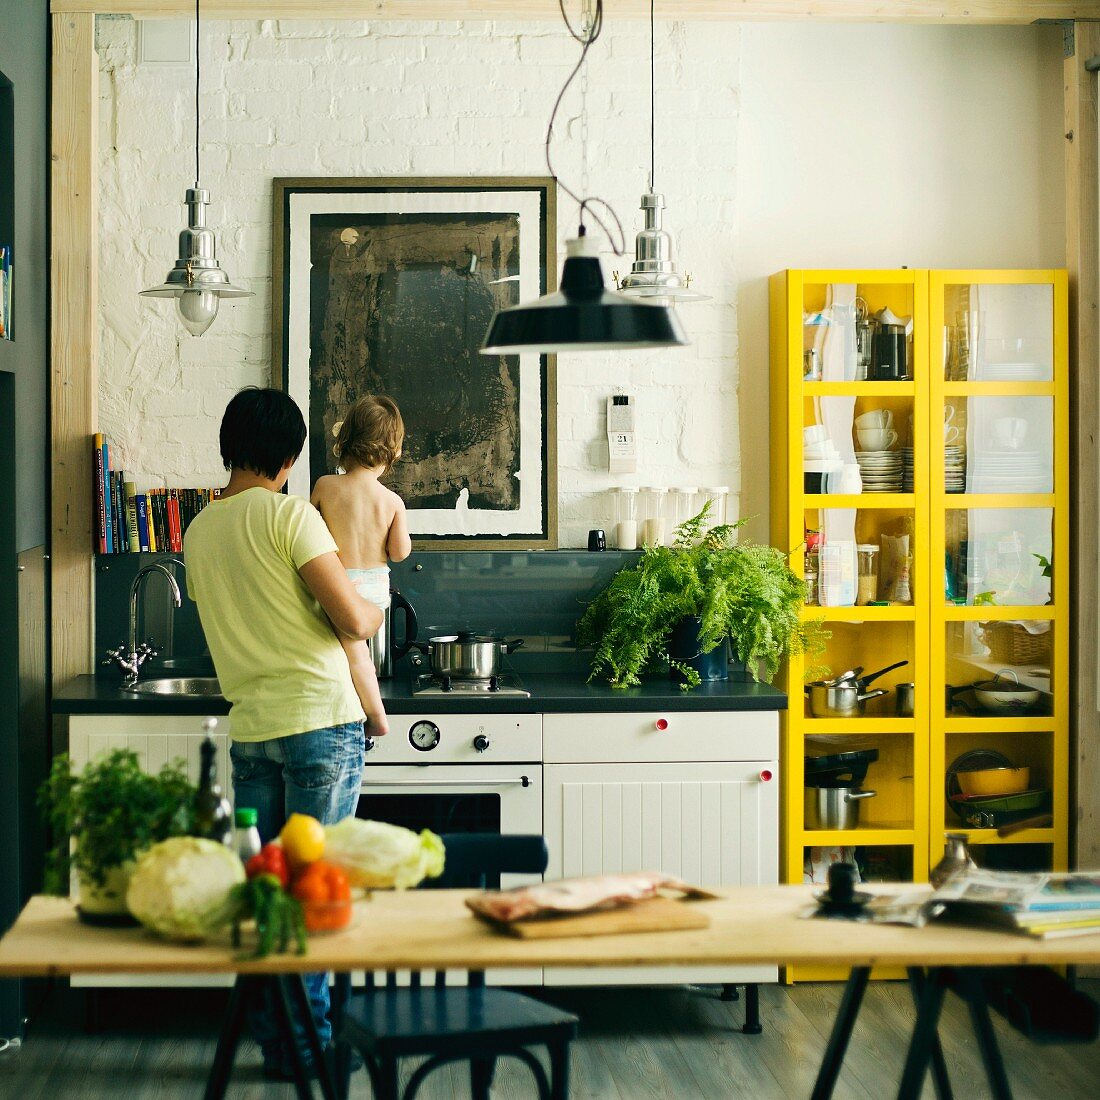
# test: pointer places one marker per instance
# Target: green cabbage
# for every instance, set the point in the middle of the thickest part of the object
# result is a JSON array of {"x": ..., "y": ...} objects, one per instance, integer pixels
[
  {"x": 380, "y": 856},
  {"x": 180, "y": 887}
]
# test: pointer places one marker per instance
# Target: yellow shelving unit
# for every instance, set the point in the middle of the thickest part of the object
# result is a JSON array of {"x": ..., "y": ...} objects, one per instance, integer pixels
[{"x": 901, "y": 830}]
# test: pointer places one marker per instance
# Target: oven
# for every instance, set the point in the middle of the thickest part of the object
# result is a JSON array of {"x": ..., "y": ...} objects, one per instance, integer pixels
[{"x": 459, "y": 773}]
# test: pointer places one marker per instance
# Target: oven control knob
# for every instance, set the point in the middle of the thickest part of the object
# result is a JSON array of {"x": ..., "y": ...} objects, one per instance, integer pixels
[
  {"x": 481, "y": 743},
  {"x": 424, "y": 736},
  {"x": 368, "y": 745}
]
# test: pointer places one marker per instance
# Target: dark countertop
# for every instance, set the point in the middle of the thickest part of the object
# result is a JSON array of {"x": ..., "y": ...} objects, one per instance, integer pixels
[{"x": 550, "y": 693}]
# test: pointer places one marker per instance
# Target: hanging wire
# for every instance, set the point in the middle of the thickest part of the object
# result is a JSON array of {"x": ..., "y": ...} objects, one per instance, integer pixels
[
  {"x": 586, "y": 35},
  {"x": 196, "y": 94},
  {"x": 652, "y": 98}
]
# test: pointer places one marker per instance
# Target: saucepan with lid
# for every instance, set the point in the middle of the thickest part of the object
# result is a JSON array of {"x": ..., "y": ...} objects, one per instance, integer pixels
[{"x": 466, "y": 655}]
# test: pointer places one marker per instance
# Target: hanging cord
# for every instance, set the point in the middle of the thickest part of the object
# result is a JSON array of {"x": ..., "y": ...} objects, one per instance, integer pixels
[
  {"x": 652, "y": 98},
  {"x": 197, "y": 71},
  {"x": 586, "y": 35}
]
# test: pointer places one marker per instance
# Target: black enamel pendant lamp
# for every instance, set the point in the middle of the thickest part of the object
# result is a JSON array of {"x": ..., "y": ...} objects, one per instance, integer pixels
[
  {"x": 197, "y": 280},
  {"x": 583, "y": 315}
]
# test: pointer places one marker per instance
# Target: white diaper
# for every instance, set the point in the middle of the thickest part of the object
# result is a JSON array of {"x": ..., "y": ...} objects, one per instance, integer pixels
[{"x": 373, "y": 584}]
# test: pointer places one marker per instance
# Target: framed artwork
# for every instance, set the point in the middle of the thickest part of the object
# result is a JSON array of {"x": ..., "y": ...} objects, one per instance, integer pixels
[{"x": 387, "y": 286}]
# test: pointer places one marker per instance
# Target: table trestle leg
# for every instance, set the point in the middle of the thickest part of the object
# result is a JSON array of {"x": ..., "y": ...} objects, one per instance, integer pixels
[
  {"x": 970, "y": 982},
  {"x": 940, "y": 1079},
  {"x": 841, "y": 1033}
]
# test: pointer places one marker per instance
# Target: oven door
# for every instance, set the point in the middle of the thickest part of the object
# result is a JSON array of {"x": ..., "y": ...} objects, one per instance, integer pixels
[{"x": 460, "y": 798}]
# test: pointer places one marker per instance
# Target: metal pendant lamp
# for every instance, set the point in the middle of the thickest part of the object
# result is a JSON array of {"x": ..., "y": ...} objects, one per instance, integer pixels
[
  {"x": 583, "y": 315},
  {"x": 653, "y": 274},
  {"x": 197, "y": 280}
]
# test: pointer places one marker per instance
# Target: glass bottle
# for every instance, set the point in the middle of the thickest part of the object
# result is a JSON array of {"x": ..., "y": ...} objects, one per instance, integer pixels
[
  {"x": 246, "y": 837},
  {"x": 213, "y": 818}
]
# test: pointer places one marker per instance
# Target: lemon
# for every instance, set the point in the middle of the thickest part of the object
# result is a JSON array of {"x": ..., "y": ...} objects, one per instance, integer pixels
[{"x": 303, "y": 839}]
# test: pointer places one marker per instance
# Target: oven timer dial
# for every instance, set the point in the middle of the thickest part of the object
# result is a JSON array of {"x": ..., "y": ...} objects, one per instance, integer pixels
[
  {"x": 481, "y": 743},
  {"x": 424, "y": 736}
]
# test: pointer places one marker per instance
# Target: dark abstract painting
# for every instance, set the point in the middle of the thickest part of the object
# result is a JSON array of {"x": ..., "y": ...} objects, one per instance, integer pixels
[{"x": 392, "y": 292}]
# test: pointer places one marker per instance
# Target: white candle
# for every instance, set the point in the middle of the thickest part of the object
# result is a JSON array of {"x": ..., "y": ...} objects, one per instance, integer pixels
[{"x": 626, "y": 534}]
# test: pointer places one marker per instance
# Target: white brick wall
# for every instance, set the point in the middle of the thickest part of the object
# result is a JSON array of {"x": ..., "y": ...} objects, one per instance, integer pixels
[{"x": 348, "y": 99}]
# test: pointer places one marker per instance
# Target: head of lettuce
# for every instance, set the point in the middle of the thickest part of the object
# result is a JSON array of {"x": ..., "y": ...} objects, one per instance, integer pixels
[{"x": 378, "y": 856}]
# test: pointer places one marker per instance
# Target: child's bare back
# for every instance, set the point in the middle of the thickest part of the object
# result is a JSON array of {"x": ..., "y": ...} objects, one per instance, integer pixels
[{"x": 361, "y": 512}]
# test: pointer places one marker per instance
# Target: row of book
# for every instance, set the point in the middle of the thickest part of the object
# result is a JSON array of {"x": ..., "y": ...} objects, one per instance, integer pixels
[
  {"x": 129, "y": 522},
  {"x": 5, "y": 291}
]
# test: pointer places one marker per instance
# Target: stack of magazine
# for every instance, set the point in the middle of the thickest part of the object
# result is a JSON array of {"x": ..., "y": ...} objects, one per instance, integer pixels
[{"x": 1047, "y": 906}]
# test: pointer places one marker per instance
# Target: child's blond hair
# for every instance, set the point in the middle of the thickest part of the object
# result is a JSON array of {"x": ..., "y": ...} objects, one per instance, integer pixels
[{"x": 370, "y": 434}]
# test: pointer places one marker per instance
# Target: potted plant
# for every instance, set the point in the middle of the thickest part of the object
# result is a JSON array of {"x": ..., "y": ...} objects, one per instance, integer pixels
[
  {"x": 684, "y": 604},
  {"x": 108, "y": 815}
]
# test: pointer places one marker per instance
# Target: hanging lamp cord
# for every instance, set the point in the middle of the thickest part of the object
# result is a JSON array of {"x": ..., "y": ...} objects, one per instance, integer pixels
[
  {"x": 609, "y": 221},
  {"x": 197, "y": 71},
  {"x": 652, "y": 97}
]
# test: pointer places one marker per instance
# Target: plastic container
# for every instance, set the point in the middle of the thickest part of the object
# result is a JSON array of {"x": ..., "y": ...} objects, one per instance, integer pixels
[
  {"x": 682, "y": 505},
  {"x": 718, "y": 496},
  {"x": 654, "y": 527},
  {"x": 626, "y": 519},
  {"x": 867, "y": 572},
  {"x": 246, "y": 837}
]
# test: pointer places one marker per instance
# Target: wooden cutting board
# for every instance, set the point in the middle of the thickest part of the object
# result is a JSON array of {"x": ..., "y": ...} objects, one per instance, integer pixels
[{"x": 655, "y": 915}]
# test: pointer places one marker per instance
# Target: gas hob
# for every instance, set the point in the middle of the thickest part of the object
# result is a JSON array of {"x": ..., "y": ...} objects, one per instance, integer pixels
[{"x": 505, "y": 684}]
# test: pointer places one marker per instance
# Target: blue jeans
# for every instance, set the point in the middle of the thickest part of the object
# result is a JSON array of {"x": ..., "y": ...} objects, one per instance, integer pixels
[{"x": 317, "y": 773}]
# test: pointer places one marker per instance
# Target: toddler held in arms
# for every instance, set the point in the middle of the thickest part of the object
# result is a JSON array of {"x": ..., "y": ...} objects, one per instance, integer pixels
[{"x": 368, "y": 522}]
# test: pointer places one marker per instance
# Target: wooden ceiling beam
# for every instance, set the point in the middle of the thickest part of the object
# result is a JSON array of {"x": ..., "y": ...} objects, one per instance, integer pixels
[{"x": 863, "y": 11}]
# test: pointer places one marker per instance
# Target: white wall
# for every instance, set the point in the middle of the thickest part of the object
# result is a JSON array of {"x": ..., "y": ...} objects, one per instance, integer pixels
[
  {"x": 778, "y": 146},
  {"x": 888, "y": 146}
]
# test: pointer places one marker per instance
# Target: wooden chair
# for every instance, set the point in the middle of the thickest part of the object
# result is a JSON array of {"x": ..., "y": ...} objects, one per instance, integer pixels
[{"x": 471, "y": 1023}]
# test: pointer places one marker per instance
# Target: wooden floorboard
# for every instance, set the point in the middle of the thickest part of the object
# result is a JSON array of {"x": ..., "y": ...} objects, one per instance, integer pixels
[{"x": 661, "y": 1044}]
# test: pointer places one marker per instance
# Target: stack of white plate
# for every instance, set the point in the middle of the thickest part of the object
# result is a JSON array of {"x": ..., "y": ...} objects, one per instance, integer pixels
[
  {"x": 1013, "y": 372},
  {"x": 907, "y": 469},
  {"x": 881, "y": 471},
  {"x": 954, "y": 469},
  {"x": 1010, "y": 472}
]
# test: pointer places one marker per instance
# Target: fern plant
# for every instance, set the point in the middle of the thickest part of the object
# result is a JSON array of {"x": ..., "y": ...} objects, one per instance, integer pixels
[{"x": 740, "y": 590}]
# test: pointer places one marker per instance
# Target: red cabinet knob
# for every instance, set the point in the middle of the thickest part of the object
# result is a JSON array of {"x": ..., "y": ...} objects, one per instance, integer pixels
[
  {"x": 765, "y": 776},
  {"x": 661, "y": 723}
]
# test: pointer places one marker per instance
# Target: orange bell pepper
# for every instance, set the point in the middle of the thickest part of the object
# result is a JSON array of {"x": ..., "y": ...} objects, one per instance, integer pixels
[{"x": 325, "y": 894}]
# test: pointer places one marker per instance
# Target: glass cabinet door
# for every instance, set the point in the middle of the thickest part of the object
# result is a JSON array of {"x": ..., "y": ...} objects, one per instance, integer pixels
[{"x": 999, "y": 526}]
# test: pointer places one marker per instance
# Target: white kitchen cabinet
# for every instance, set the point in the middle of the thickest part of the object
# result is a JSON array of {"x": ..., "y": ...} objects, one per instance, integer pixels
[{"x": 712, "y": 824}]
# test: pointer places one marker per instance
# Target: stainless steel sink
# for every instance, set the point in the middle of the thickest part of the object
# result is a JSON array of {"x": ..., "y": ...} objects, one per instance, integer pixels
[{"x": 177, "y": 685}]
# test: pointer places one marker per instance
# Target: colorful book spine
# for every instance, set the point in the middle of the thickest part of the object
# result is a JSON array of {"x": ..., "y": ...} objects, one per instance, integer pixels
[
  {"x": 109, "y": 533},
  {"x": 174, "y": 527},
  {"x": 129, "y": 493},
  {"x": 151, "y": 510},
  {"x": 5, "y": 291},
  {"x": 116, "y": 514},
  {"x": 143, "y": 521},
  {"x": 100, "y": 499}
]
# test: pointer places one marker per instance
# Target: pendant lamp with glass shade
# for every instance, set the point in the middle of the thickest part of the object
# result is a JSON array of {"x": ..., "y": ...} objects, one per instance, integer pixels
[
  {"x": 583, "y": 314},
  {"x": 653, "y": 274},
  {"x": 197, "y": 280}
]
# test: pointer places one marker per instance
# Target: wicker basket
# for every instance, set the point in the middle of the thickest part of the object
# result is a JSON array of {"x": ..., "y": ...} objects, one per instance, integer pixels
[{"x": 1011, "y": 644}]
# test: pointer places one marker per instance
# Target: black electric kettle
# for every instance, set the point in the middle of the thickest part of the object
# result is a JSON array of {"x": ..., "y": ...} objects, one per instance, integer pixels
[{"x": 384, "y": 650}]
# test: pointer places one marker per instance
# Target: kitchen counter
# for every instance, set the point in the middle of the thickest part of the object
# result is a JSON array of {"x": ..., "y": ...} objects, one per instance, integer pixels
[{"x": 550, "y": 693}]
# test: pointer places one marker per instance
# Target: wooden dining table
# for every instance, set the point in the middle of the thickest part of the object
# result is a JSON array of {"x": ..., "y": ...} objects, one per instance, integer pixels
[{"x": 434, "y": 930}]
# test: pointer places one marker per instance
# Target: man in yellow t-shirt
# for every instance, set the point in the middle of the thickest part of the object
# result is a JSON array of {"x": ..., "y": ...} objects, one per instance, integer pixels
[{"x": 271, "y": 594}]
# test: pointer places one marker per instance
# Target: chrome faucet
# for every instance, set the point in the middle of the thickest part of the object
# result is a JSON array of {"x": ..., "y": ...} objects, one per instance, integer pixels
[{"x": 131, "y": 657}]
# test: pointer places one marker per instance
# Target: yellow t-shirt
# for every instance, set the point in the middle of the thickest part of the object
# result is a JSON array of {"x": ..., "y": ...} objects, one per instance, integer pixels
[{"x": 279, "y": 662}]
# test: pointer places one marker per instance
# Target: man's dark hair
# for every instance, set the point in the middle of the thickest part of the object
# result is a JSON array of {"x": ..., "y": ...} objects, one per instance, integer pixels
[{"x": 261, "y": 430}]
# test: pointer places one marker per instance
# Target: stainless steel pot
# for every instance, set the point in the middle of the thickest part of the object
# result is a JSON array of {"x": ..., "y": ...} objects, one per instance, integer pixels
[
  {"x": 466, "y": 655},
  {"x": 834, "y": 807},
  {"x": 843, "y": 700}
]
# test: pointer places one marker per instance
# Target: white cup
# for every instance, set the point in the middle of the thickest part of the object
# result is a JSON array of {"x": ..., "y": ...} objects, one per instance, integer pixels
[
  {"x": 1009, "y": 432},
  {"x": 950, "y": 433},
  {"x": 876, "y": 418},
  {"x": 814, "y": 433},
  {"x": 876, "y": 439}
]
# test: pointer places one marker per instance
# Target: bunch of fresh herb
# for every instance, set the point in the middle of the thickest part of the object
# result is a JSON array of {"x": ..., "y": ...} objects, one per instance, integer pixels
[
  {"x": 114, "y": 810},
  {"x": 740, "y": 590},
  {"x": 277, "y": 915}
]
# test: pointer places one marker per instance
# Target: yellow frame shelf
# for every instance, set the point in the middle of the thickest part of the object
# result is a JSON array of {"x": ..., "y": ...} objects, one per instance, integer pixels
[{"x": 922, "y": 627}]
